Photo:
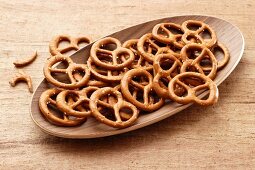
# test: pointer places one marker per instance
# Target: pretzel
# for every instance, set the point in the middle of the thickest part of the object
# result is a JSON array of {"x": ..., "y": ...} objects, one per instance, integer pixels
[
  {"x": 162, "y": 32},
  {"x": 22, "y": 76},
  {"x": 105, "y": 75},
  {"x": 148, "y": 40},
  {"x": 196, "y": 62},
  {"x": 195, "y": 34},
  {"x": 60, "y": 120},
  {"x": 26, "y": 61},
  {"x": 147, "y": 101},
  {"x": 118, "y": 58},
  {"x": 82, "y": 100},
  {"x": 72, "y": 67},
  {"x": 54, "y": 44},
  {"x": 139, "y": 61},
  {"x": 171, "y": 67},
  {"x": 191, "y": 95},
  {"x": 220, "y": 63},
  {"x": 117, "y": 121}
]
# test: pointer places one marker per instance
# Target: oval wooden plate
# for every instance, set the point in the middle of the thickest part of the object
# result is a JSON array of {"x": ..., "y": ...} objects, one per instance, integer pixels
[{"x": 226, "y": 33}]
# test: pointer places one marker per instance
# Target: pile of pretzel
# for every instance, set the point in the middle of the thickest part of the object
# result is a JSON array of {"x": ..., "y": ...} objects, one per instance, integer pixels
[{"x": 120, "y": 81}]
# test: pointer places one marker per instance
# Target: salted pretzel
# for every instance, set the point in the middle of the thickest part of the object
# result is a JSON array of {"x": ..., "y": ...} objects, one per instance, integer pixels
[
  {"x": 46, "y": 101},
  {"x": 166, "y": 66},
  {"x": 190, "y": 35},
  {"x": 191, "y": 59},
  {"x": 191, "y": 92},
  {"x": 117, "y": 121},
  {"x": 156, "y": 47},
  {"x": 222, "y": 62},
  {"x": 169, "y": 33},
  {"x": 92, "y": 81},
  {"x": 73, "y": 44},
  {"x": 105, "y": 75},
  {"x": 81, "y": 100},
  {"x": 137, "y": 88},
  {"x": 70, "y": 70},
  {"x": 111, "y": 59},
  {"x": 139, "y": 61}
]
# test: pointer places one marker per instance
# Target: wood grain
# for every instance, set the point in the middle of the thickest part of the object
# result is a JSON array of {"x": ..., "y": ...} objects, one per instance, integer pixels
[
  {"x": 226, "y": 33},
  {"x": 218, "y": 137}
]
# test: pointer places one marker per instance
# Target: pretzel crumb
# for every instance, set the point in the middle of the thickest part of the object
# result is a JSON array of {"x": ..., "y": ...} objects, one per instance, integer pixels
[{"x": 22, "y": 76}]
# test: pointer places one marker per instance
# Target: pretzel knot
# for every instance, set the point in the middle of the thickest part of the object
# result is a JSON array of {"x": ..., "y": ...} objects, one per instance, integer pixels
[
  {"x": 191, "y": 92},
  {"x": 70, "y": 70},
  {"x": 73, "y": 44},
  {"x": 115, "y": 118},
  {"x": 166, "y": 66},
  {"x": 139, "y": 61},
  {"x": 108, "y": 53},
  {"x": 46, "y": 101},
  {"x": 194, "y": 56},
  {"x": 191, "y": 35},
  {"x": 137, "y": 88},
  {"x": 169, "y": 33},
  {"x": 80, "y": 103}
]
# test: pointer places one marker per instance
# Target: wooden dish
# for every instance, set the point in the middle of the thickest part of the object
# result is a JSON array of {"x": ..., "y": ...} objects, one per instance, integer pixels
[{"x": 226, "y": 33}]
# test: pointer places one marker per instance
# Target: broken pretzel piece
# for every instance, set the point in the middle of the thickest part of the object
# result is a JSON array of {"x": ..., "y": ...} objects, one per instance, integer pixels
[
  {"x": 22, "y": 76},
  {"x": 25, "y": 61}
]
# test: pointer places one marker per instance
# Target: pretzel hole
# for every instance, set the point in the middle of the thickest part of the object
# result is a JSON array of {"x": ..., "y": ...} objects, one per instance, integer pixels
[
  {"x": 83, "y": 43},
  {"x": 109, "y": 46},
  {"x": 218, "y": 53},
  {"x": 61, "y": 77},
  {"x": 61, "y": 64},
  {"x": 153, "y": 97},
  {"x": 166, "y": 63},
  {"x": 205, "y": 34},
  {"x": 55, "y": 111},
  {"x": 174, "y": 30},
  {"x": 206, "y": 62},
  {"x": 198, "y": 92},
  {"x": 142, "y": 80},
  {"x": 126, "y": 113},
  {"x": 106, "y": 58},
  {"x": 122, "y": 57},
  {"x": 193, "y": 26},
  {"x": 192, "y": 81},
  {"x": 136, "y": 93},
  {"x": 108, "y": 113},
  {"x": 83, "y": 107},
  {"x": 78, "y": 74},
  {"x": 163, "y": 82},
  {"x": 193, "y": 53},
  {"x": 193, "y": 39},
  {"x": 63, "y": 43},
  {"x": 180, "y": 91}
]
